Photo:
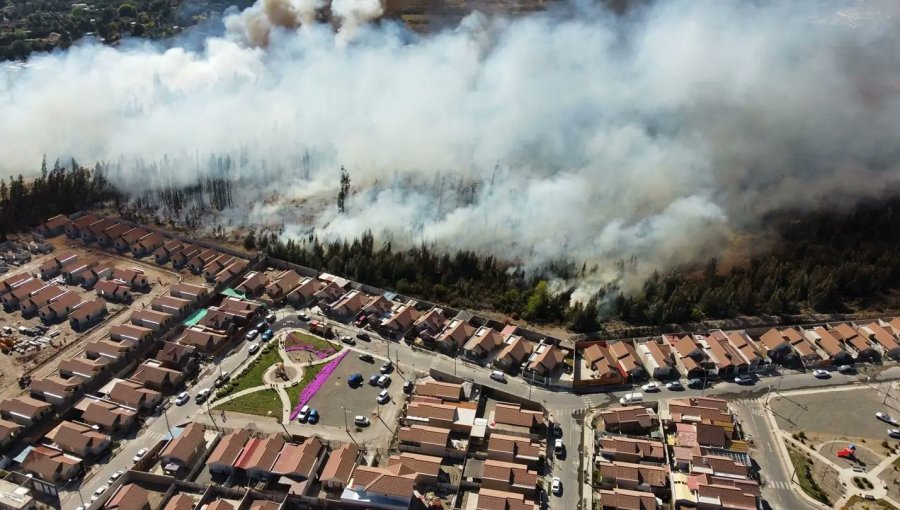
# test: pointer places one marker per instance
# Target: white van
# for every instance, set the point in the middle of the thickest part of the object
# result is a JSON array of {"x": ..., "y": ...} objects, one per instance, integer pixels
[
  {"x": 498, "y": 376},
  {"x": 632, "y": 398}
]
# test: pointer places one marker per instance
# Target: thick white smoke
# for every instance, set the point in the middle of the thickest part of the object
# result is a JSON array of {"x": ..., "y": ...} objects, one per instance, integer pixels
[{"x": 589, "y": 137}]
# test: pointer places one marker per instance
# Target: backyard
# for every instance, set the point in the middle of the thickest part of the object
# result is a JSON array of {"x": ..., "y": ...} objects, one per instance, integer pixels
[{"x": 261, "y": 403}]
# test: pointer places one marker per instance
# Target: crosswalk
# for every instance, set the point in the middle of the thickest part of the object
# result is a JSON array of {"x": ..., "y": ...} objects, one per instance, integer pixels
[{"x": 778, "y": 485}]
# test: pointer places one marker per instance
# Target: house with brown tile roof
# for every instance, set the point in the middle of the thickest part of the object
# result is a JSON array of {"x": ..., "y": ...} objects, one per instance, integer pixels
[
  {"x": 52, "y": 266},
  {"x": 263, "y": 504},
  {"x": 21, "y": 292},
  {"x": 50, "y": 465},
  {"x": 745, "y": 345},
  {"x": 231, "y": 271},
  {"x": 227, "y": 451},
  {"x": 602, "y": 363},
  {"x": 96, "y": 228},
  {"x": 185, "y": 448},
  {"x": 428, "y": 441},
  {"x": 175, "y": 356},
  {"x": 521, "y": 450},
  {"x": 254, "y": 283},
  {"x": 449, "y": 416},
  {"x": 148, "y": 244},
  {"x": 719, "y": 465},
  {"x": 489, "y": 499},
  {"x": 545, "y": 359},
  {"x": 499, "y": 475},
  {"x": 106, "y": 351},
  {"x": 109, "y": 416},
  {"x": 112, "y": 234},
  {"x": 90, "y": 276},
  {"x": 55, "y": 389},
  {"x": 87, "y": 313},
  {"x": 300, "y": 461},
  {"x": 192, "y": 293},
  {"x": 129, "y": 333},
  {"x": 854, "y": 342},
  {"x": 515, "y": 350},
  {"x": 726, "y": 497},
  {"x": 283, "y": 284},
  {"x": 134, "y": 279},
  {"x": 401, "y": 317},
  {"x": 658, "y": 359},
  {"x": 378, "y": 305},
  {"x": 23, "y": 410},
  {"x": 482, "y": 342},
  {"x": 129, "y": 238},
  {"x": 801, "y": 347},
  {"x": 339, "y": 468},
  {"x": 626, "y": 358},
  {"x": 84, "y": 368},
  {"x": 153, "y": 375},
  {"x": 511, "y": 417},
  {"x": 53, "y": 226},
  {"x": 13, "y": 282},
  {"x": 40, "y": 298},
  {"x": 884, "y": 340},
  {"x": 180, "y": 502},
  {"x": 827, "y": 342},
  {"x": 430, "y": 324},
  {"x": 162, "y": 254},
  {"x": 623, "y": 499},
  {"x": 170, "y": 305},
  {"x": 112, "y": 291},
  {"x": 184, "y": 256},
  {"x": 634, "y": 450},
  {"x": 61, "y": 307},
  {"x": 151, "y": 319},
  {"x": 220, "y": 504},
  {"x": 134, "y": 394},
  {"x": 629, "y": 420},
  {"x": 307, "y": 289},
  {"x": 73, "y": 229},
  {"x": 692, "y": 359},
  {"x": 426, "y": 467},
  {"x": 259, "y": 456},
  {"x": 72, "y": 271},
  {"x": 775, "y": 344},
  {"x": 326, "y": 292},
  {"x": 454, "y": 335},
  {"x": 129, "y": 497},
  {"x": 390, "y": 487},
  {"x": 216, "y": 265},
  {"x": 78, "y": 439},
  {"x": 640, "y": 477},
  {"x": 699, "y": 409},
  {"x": 449, "y": 392},
  {"x": 894, "y": 324},
  {"x": 347, "y": 305},
  {"x": 8, "y": 431}
]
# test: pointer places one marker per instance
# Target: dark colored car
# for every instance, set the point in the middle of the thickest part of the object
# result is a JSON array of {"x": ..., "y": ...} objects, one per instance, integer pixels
[
  {"x": 362, "y": 335},
  {"x": 374, "y": 379},
  {"x": 408, "y": 387},
  {"x": 222, "y": 380},
  {"x": 355, "y": 380},
  {"x": 367, "y": 358}
]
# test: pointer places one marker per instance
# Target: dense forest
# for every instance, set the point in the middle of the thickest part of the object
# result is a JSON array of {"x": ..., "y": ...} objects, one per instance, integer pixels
[
  {"x": 60, "y": 190},
  {"x": 42, "y": 25}
]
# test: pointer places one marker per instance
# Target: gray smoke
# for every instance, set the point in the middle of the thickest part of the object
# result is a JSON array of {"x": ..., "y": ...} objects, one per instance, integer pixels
[{"x": 661, "y": 135}]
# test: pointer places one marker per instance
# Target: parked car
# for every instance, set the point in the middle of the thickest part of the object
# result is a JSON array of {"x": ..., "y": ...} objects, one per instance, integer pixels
[
  {"x": 115, "y": 476},
  {"x": 894, "y": 433},
  {"x": 674, "y": 386},
  {"x": 384, "y": 381},
  {"x": 386, "y": 367},
  {"x": 99, "y": 492},
  {"x": 262, "y": 326},
  {"x": 355, "y": 379},
  {"x": 374, "y": 379},
  {"x": 498, "y": 376},
  {"x": 559, "y": 447},
  {"x": 362, "y": 335},
  {"x": 360, "y": 321},
  {"x": 886, "y": 418},
  {"x": 362, "y": 421},
  {"x": 270, "y": 317},
  {"x": 303, "y": 316},
  {"x": 556, "y": 486},
  {"x": 304, "y": 414},
  {"x": 408, "y": 387},
  {"x": 348, "y": 340},
  {"x": 368, "y": 358},
  {"x": 267, "y": 335},
  {"x": 383, "y": 397},
  {"x": 846, "y": 369},
  {"x": 182, "y": 398},
  {"x": 743, "y": 379},
  {"x": 140, "y": 454},
  {"x": 222, "y": 380},
  {"x": 253, "y": 349},
  {"x": 821, "y": 374},
  {"x": 695, "y": 383},
  {"x": 202, "y": 395},
  {"x": 650, "y": 387},
  {"x": 313, "y": 417},
  {"x": 251, "y": 335}
]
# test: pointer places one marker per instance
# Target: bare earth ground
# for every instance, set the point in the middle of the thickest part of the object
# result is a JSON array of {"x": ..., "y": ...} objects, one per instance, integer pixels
[
  {"x": 891, "y": 477},
  {"x": 828, "y": 479},
  {"x": 858, "y": 503}
]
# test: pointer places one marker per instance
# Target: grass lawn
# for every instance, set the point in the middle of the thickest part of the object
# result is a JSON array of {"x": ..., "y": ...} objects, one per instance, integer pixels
[
  {"x": 309, "y": 373},
  {"x": 303, "y": 338},
  {"x": 260, "y": 403},
  {"x": 253, "y": 376},
  {"x": 803, "y": 467}
]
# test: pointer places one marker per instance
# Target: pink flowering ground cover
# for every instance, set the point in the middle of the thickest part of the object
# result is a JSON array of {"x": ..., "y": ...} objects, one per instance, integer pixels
[{"x": 310, "y": 390}]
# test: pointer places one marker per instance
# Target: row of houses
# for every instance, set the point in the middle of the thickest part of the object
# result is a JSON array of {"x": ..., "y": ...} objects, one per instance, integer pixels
[
  {"x": 689, "y": 455},
  {"x": 726, "y": 354}
]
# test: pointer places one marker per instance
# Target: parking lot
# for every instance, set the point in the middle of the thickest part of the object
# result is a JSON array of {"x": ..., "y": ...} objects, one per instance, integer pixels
[
  {"x": 335, "y": 394},
  {"x": 830, "y": 414}
]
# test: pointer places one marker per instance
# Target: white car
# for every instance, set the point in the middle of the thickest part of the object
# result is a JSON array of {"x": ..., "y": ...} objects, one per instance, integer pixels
[
  {"x": 270, "y": 317},
  {"x": 182, "y": 398},
  {"x": 743, "y": 379},
  {"x": 115, "y": 476},
  {"x": 251, "y": 335},
  {"x": 383, "y": 397},
  {"x": 303, "y": 415},
  {"x": 498, "y": 376},
  {"x": 821, "y": 374},
  {"x": 140, "y": 454},
  {"x": 383, "y": 381},
  {"x": 894, "y": 433},
  {"x": 886, "y": 418},
  {"x": 846, "y": 369},
  {"x": 556, "y": 486},
  {"x": 254, "y": 347},
  {"x": 99, "y": 492},
  {"x": 362, "y": 421},
  {"x": 650, "y": 386}
]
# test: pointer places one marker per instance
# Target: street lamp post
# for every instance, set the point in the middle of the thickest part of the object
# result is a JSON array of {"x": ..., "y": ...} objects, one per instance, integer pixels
[
  {"x": 346, "y": 427},
  {"x": 80, "y": 497},
  {"x": 166, "y": 416}
]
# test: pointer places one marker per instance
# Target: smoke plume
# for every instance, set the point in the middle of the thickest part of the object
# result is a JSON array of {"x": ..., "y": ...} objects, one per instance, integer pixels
[{"x": 574, "y": 134}]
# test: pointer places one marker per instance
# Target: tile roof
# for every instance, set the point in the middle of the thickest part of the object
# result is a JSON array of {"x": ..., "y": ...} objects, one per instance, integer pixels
[
  {"x": 299, "y": 459},
  {"x": 180, "y": 502},
  {"x": 645, "y": 448},
  {"x": 442, "y": 390},
  {"x": 88, "y": 309},
  {"x": 637, "y": 415},
  {"x": 340, "y": 464},
  {"x": 547, "y": 358},
  {"x": 642, "y": 474},
  {"x": 628, "y": 500},
  {"x": 490, "y": 499},
  {"x": 48, "y": 463},
  {"x": 260, "y": 454},
  {"x": 182, "y": 448},
  {"x": 105, "y": 414},
  {"x": 129, "y": 497},
  {"x": 513, "y": 414},
  {"x": 24, "y": 406},
  {"x": 384, "y": 482},
  {"x": 131, "y": 393},
  {"x": 484, "y": 338},
  {"x": 515, "y": 349},
  {"x": 423, "y": 434},
  {"x": 625, "y": 356},
  {"x": 427, "y": 465},
  {"x": 76, "y": 438},
  {"x": 510, "y": 473},
  {"x": 229, "y": 448}
]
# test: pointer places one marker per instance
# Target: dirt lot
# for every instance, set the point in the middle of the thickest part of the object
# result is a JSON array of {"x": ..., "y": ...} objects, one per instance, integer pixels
[
  {"x": 824, "y": 416},
  {"x": 69, "y": 343},
  {"x": 858, "y": 503},
  {"x": 891, "y": 477}
]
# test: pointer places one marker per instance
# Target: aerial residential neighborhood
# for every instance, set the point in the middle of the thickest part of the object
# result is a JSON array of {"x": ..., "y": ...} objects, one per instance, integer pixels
[{"x": 155, "y": 372}]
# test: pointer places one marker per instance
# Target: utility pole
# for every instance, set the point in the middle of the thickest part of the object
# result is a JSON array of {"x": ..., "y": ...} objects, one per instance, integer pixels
[
  {"x": 166, "y": 416},
  {"x": 454, "y": 366},
  {"x": 886, "y": 393},
  {"x": 346, "y": 427},
  {"x": 81, "y": 498},
  {"x": 209, "y": 412}
]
